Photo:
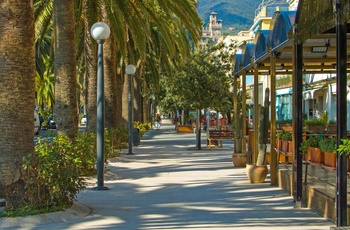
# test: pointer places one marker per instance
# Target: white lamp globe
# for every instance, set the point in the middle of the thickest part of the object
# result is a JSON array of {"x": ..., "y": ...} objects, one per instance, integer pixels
[
  {"x": 100, "y": 31},
  {"x": 130, "y": 69}
]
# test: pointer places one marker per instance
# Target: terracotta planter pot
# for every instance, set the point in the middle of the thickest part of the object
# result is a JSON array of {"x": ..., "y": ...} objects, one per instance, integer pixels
[
  {"x": 239, "y": 159},
  {"x": 290, "y": 149},
  {"x": 284, "y": 146},
  {"x": 317, "y": 128},
  {"x": 256, "y": 174},
  {"x": 286, "y": 127},
  {"x": 279, "y": 143},
  {"x": 329, "y": 161},
  {"x": 307, "y": 156},
  {"x": 332, "y": 128},
  {"x": 316, "y": 156}
]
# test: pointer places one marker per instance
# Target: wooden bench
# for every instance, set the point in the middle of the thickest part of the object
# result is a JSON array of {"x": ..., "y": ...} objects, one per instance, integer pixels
[
  {"x": 218, "y": 136},
  {"x": 184, "y": 128}
]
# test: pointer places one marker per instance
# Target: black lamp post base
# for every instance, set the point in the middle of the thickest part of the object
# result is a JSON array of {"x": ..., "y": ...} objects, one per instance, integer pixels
[{"x": 100, "y": 188}]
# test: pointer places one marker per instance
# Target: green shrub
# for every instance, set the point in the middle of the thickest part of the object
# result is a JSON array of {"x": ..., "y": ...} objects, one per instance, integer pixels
[
  {"x": 311, "y": 141},
  {"x": 344, "y": 147},
  {"x": 328, "y": 144},
  {"x": 324, "y": 117},
  {"x": 315, "y": 122},
  {"x": 54, "y": 177},
  {"x": 143, "y": 127},
  {"x": 287, "y": 136},
  {"x": 284, "y": 135},
  {"x": 279, "y": 135},
  {"x": 284, "y": 122},
  {"x": 84, "y": 150},
  {"x": 115, "y": 140},
  {"x": 56, "y": 168}
]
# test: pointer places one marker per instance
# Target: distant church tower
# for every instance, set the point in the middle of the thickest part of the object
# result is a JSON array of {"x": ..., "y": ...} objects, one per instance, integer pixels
[
  {"x": 215, "y": 26},
  {"x": 213, "y": 30}
]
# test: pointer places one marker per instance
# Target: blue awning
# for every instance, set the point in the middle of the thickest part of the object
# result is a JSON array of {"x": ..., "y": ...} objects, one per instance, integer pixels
[
  {"x": 238, "y": 64},
  {"x": 261, "y": 43},
  {"x": 281, "y": 24},
  {"x": 247, "y": 54}
]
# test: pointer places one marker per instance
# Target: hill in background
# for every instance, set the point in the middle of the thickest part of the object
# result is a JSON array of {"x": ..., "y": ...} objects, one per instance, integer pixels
[{"x": 236, "y": 15}]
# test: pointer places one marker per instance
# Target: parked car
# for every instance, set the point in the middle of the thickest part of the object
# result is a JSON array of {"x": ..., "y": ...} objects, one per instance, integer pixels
[
  {"x": 83, "y": 120},
  {"x": 36, "y": 123}
]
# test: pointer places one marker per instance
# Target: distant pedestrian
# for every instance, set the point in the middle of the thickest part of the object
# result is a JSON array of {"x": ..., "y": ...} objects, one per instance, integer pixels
[
  {"x": 41, "y": 120},
  {"x": 158, "y": 120}
]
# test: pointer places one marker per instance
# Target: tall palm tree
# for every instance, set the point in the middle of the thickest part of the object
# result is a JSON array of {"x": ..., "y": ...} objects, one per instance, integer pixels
[
  {"x": 65, "y": 107},
  {"x": 137, "y": 19},
  {"x": 17, "y": 74},
  {"x": 133, "y": 21}
]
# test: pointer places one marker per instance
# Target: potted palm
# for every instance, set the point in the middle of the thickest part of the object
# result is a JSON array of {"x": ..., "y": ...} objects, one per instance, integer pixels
[
  {"x": 257, "y": 172},
  {"x": 328, "y": 148},
  {"x": 239, "y": 158}
]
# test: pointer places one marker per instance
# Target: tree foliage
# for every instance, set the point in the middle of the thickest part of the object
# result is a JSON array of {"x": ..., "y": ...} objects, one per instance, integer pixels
[{"x": 203, "y": 81}]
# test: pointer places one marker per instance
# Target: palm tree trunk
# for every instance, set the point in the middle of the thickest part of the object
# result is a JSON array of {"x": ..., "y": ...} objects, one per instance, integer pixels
[
  {"x": 119, "y": 99},
  {"x": 65, "y": 108},
  {"x": 90, "y": 70},
  {"x": 17, "y": 95},
  {"x": 110, "y": 78},
  {"x": 137, "y": 97},
  {"x": 146, "y": 103},
  {"x": 125, "y": 103}
]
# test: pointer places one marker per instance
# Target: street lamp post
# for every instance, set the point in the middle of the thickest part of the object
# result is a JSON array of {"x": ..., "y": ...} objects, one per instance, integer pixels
[
  {"x": 152, "y": 112},
  {"x": 100, "y": 32},
  {"x": 130, "y": 70}
]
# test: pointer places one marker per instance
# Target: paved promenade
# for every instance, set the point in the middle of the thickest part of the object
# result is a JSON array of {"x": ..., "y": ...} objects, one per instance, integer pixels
[{"x": 167, "y": 184}]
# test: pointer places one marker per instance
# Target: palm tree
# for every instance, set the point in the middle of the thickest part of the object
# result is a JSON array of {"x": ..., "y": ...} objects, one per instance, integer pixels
[
  {"x": 65, "y": 107},
  {"x": 140, "y": 20},
  {"x": 17, "y": 74},
  {"x": 130, "y": 22}
]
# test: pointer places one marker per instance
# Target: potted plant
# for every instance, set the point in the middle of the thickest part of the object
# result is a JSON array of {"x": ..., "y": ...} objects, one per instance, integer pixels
[
  {"x": 332, "y": 126},
  {"x": 285, "y": 125},
  {"x": 286, "y": 139},
  {"x": 279, "y": 137},
  {"x": 287, "y": 148},
  {"x": 315, "y": 125},
  {"x": 257, "y": 172},
  {"x": 344, "y": 149},
  {"x": 313, "y": 151},
  {"x": 328, "y": 148}
]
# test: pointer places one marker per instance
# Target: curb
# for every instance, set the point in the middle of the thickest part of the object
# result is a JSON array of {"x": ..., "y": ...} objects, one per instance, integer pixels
[{"x": 77, "y": 211}]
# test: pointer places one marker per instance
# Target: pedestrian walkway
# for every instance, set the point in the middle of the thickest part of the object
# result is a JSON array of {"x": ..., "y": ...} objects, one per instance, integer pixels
[{"x": 168, "y": 184}]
